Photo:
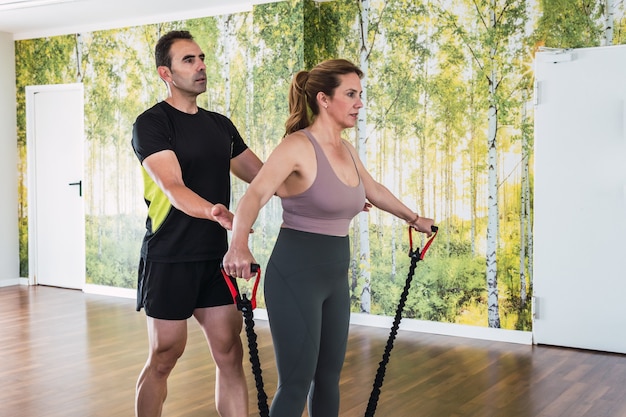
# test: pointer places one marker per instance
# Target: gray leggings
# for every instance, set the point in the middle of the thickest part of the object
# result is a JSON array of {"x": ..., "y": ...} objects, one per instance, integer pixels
[{"x": 308, "y": 306}]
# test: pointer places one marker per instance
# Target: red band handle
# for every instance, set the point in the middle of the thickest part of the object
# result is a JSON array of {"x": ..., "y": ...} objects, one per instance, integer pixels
[
  {"x": 435, "y": 230},
  {"x": 234, "y": 292}
]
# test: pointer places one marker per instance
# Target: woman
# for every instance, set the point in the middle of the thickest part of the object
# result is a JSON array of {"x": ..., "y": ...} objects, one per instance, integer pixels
[{"x": 322, "y": 185}]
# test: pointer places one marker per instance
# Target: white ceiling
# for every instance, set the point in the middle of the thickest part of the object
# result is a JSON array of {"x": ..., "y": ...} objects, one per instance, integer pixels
[{"x": 36, "y": 19}]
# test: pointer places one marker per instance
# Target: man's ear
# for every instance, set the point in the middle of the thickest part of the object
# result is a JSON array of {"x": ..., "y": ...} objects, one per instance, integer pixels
[{"x": 164, "y": 73}]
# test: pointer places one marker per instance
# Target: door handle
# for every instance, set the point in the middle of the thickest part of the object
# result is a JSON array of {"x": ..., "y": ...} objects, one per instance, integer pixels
[{"x": 80, "y": 187}]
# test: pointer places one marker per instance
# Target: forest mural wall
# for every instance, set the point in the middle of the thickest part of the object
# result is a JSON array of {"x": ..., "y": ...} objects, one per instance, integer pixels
[{"x": 447, "y": 126}]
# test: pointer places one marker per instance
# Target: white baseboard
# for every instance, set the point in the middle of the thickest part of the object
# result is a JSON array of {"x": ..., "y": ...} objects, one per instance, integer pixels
[
  {"x": 111, "y": 291},
  {"x": 446, "y": 329},
  {"x": 13, "y": 281}
]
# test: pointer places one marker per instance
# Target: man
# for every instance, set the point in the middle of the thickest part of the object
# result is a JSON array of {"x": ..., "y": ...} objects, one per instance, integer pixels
[{"x": 187, "y": 154}]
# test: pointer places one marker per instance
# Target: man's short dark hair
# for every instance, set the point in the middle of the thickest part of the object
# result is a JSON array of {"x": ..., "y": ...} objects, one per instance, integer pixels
[{"x": 163, "y": 46}]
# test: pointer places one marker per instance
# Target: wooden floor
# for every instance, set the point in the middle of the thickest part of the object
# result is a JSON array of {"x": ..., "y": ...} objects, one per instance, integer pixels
[{"x": 64, "y": 353}]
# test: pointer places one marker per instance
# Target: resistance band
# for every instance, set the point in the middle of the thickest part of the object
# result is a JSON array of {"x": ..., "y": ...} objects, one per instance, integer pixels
[
  {"x": 246, "y": 305},
  {"x": 415, "y": 256}
]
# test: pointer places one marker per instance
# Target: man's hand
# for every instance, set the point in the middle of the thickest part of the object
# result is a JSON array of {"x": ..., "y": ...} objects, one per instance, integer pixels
[{"x": 223, "y": 216}]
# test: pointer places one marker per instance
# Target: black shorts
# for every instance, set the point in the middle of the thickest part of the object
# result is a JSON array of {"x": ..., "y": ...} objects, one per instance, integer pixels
[{"x": 172, "y": 291}]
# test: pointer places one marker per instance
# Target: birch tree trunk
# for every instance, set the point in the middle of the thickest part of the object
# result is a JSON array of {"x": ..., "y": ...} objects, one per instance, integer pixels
[
  {"x": 422, "y": 135},
  {"x": 524, "y": 215},
  {"x": 529, "y": 222},
  {"x": 397, "y": 179},
  {"x": 474, "y": 163},
  {"x": 609, "y": 22},
  {"x": 492, "y": 225},
  {"x": 79, "y": 57},
  {"x": 249, "y": 89},
  {"x": 363, "y": 218},
  {"x": 227, "y": 36}
]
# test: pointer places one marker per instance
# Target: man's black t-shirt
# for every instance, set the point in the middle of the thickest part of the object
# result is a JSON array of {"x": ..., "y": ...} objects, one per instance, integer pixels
[{"x": 204, "y": 143}]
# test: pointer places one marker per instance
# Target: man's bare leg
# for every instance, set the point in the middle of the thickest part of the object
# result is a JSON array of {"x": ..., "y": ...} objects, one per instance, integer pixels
[
  {"x": 167, "y": 340},
  {"x": 222, "y": 328}
]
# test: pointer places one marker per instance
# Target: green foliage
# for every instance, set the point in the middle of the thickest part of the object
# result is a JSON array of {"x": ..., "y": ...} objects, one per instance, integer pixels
[
  {"x": 449, "y": 284},
  {"x": 113, "y": 244},
  {"x": 570, "y": 23},
  {"x": 620, "y": 29},
  {"x": 277, "y": 51},
  {"x": 326, "y": 27},
  {"x": 443, "y": 283}
]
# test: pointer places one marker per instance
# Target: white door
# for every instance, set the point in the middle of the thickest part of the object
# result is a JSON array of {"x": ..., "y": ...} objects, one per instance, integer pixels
[
  {"x": 56, "y": 214},
  {"x": 580, "y": 199}
]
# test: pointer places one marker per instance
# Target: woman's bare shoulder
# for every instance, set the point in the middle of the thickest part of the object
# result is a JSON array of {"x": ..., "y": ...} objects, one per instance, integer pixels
[{"x": 298, "y": 137}]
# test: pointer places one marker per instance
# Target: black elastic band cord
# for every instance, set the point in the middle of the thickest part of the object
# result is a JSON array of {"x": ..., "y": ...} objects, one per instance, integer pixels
[
  {"x": 254, "y": 358},
  {"x": 380, "y": 374},
  {"x": 246, "y": 306},
  {"x": 415, "y": 256}
]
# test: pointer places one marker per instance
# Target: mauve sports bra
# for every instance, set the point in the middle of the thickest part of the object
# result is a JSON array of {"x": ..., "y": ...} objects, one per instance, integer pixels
[{"x": 328, "y": 205}]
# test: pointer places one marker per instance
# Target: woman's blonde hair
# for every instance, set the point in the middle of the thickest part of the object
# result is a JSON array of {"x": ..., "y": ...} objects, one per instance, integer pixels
[{"x": 306, "y": 84}]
